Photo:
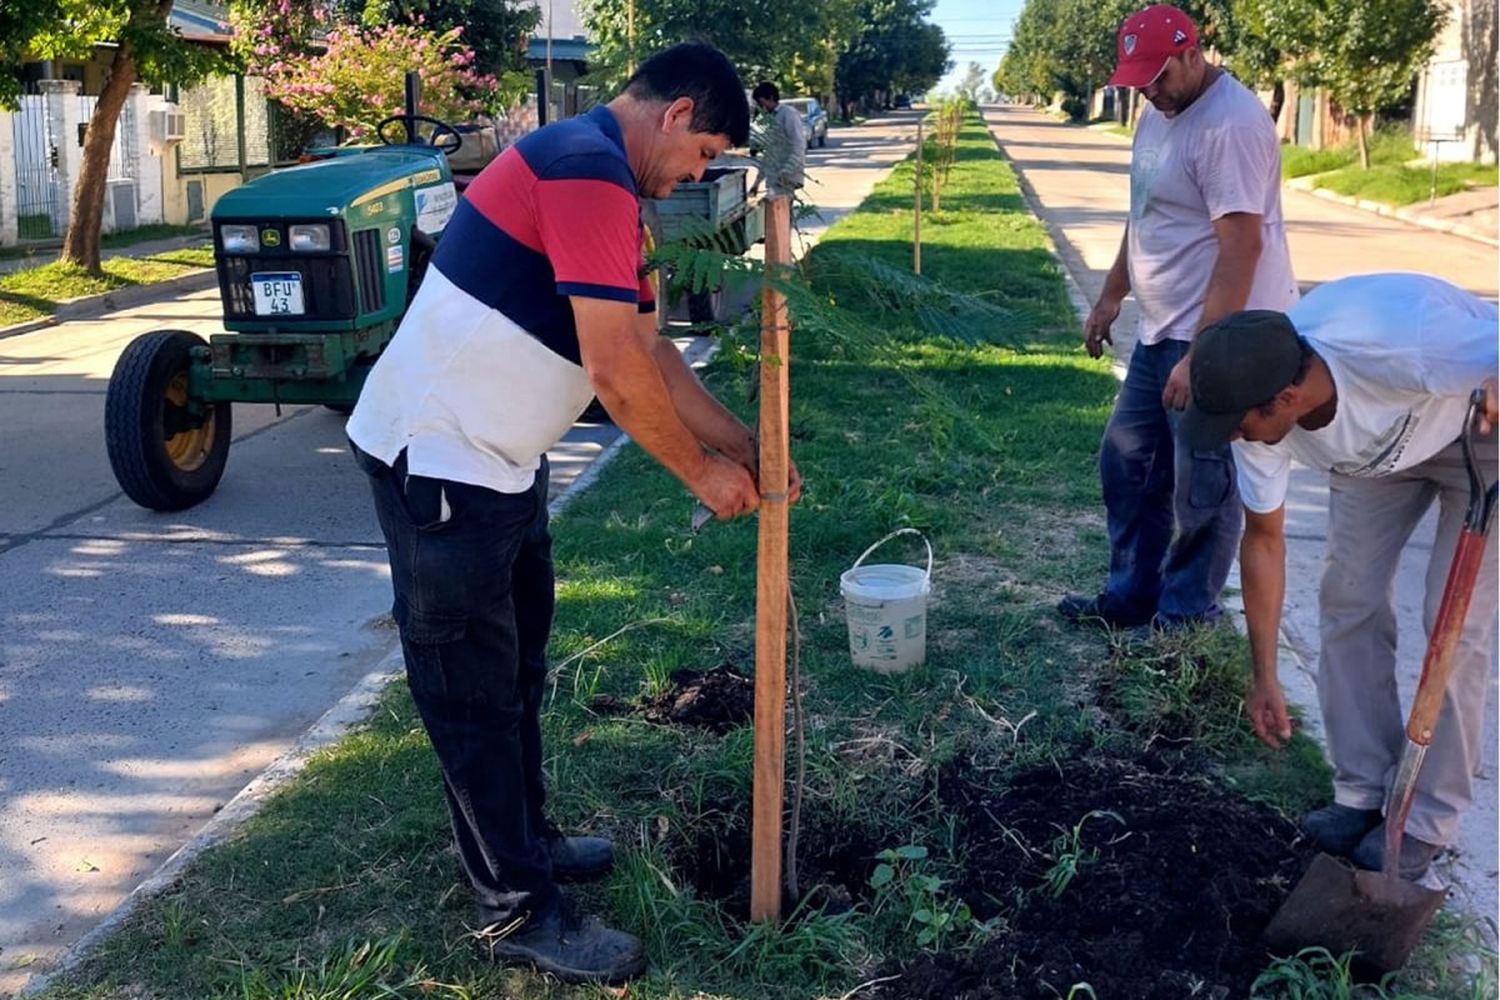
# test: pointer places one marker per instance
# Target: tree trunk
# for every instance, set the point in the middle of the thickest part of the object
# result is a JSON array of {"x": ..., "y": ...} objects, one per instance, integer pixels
[
  {"x": 1364, "y": 146},
  {"x": 81, "y": 244},
  {"x": 1278, "y": 98}
]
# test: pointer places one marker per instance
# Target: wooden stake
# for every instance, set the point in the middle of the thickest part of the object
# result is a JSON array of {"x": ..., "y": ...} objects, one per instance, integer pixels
[
  {"x": 771, "y": 578},
  {"x": 916, "y": 239}
]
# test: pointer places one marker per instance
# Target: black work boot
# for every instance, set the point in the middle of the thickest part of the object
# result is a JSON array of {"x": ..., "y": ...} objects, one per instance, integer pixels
[
  {"x": 1080, "y": 609},
  {"x": 1416, "y": 855},
  {"x": 1337, "y": 829},
  {"x": 579, "y": 859},
  {"x": 574, "y": 949}
]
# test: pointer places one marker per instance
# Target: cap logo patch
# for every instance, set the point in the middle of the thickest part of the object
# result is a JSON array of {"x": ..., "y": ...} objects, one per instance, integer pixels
[
  {"x": 1179, "y": 36},
  {"x": 1129, "y": 43}
]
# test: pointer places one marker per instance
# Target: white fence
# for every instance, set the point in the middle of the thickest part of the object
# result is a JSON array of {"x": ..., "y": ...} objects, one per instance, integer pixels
[{"x": 41, "y": 153}]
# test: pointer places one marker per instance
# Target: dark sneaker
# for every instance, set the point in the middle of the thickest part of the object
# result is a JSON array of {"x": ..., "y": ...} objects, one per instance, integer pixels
[
  {"x": 1416, "y": 855},
  {"x": 579, "y": 859},
  {"x": 574, "y": 949},
  {"x": 1339, "y": 829},
  {"x": 1081, "y": 610}
]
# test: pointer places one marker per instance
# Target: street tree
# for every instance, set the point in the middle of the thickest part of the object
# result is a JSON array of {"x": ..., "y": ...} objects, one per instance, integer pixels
[
  {"x": 788, "y": 41},
  {"x": 20, "y": 23},
  {"x": 896, "y": 50},
  {"x": 971, "y": 82},
  {"x": 496, "y": 31},
  {"x": 1029, "y": 66},
  {"x": 146, "y": 49},
  {"x": 1371, "y": 54}
]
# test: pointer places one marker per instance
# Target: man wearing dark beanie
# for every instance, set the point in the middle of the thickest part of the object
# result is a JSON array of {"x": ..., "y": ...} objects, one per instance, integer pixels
[{"x": 1367, "y": 378}]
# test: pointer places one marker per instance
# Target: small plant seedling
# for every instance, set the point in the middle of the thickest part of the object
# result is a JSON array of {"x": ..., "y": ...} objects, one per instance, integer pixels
[
  {"x": 899, "y": 880},
  {"x": 1069, "y": 855}
]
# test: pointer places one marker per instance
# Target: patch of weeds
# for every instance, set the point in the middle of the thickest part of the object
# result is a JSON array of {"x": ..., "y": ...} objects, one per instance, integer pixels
[
  {"x": 366, "y": 969},
  {"x": 907, "y": 889},
  {"x": 1069, "y": 854}
]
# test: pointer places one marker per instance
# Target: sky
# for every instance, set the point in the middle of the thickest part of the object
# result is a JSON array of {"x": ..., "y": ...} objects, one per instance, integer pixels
[{"x": 978, "y": 31}]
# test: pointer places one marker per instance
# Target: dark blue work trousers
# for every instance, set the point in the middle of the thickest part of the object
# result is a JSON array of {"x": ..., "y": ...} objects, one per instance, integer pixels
[
  {"x": 472, "y": 573},
  {"x": 1173, "y": 512}
]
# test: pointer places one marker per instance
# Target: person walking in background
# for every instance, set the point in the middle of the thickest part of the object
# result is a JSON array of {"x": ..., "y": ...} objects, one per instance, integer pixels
[
  {"x": 1369, "y": 379},
  {"x": 1205, "y": 238},
  {"x": 784, "y": 160}
]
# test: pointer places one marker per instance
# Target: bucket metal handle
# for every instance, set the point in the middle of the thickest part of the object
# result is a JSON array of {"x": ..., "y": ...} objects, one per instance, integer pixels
[{"x": 898, "y": 531}]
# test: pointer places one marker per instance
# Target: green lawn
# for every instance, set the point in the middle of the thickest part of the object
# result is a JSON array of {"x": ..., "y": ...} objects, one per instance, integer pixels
[
  {"x": 984, "y": 437},
  {"x": 1394, "y": 176},
  {"x": 1395, "y": 184},
  {"x": 37, "y": 292}
]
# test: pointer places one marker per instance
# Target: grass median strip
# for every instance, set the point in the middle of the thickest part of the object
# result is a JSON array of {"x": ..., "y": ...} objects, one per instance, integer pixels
[
  {"x": 35, "y": 293},
  {"x": 1033, "y": 809}
]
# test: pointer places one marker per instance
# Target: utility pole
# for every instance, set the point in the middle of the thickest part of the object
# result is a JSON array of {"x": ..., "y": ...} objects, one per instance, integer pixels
[
  {"x": 547, "y": 69},
  {"x": 630, "y": 38}
]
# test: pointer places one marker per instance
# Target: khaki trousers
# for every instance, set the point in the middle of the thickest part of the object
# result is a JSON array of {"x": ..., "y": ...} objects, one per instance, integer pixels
[{"x": 1369, "y": 521}]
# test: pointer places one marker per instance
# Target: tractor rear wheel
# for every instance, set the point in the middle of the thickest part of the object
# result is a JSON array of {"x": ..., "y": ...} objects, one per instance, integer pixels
[{"x": 165, "y": 456}]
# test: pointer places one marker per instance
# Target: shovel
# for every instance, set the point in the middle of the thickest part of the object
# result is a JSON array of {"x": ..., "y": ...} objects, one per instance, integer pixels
[{"x": 1378, "y": 914}]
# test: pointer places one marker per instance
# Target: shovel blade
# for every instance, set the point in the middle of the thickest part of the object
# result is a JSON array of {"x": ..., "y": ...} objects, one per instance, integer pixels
[{"x": 1342, "y": 909}]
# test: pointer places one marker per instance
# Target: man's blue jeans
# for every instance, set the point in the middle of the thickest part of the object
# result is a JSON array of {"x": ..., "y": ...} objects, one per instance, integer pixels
[{"x": 1173, "y": 513}]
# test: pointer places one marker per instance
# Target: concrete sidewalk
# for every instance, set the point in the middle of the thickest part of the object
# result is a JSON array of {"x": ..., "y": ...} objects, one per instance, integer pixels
[{"x": 1078, "y": 181}]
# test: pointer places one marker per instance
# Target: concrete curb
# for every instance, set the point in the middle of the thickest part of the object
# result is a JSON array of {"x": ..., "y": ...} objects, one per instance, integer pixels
[
  {"x": 347, "y": 713},
  {"x": 1405, "y": 214},
  {"x": 94, "y": 306}
]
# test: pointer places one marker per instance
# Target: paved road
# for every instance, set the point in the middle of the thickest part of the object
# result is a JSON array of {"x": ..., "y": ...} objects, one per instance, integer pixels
[
  {"x": 1080, "y": 179},
  {"x": 151, "y": 664}
]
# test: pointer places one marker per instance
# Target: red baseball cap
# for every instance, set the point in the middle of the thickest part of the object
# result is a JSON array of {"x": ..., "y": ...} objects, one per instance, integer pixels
[{"x": 1148, "y": 38}]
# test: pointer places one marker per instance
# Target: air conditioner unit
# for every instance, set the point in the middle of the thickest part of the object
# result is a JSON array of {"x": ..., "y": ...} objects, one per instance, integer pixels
[{"x": 168, "y": 126}]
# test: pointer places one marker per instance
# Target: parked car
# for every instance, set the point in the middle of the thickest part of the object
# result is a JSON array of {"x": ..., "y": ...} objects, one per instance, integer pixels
[
  {"x": 814, "y": 119},
  {"x": 903, "y": 101}
]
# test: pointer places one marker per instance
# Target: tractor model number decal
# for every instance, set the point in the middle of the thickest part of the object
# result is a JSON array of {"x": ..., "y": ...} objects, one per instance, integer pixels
[
  {"x": 426, "y": 177},
  {"x": 435, "y": 207},
  {"x": 375, "y": 208}
]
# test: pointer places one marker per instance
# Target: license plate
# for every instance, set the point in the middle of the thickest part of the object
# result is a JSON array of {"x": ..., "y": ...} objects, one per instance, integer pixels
[{"x": 278, "y": 293}]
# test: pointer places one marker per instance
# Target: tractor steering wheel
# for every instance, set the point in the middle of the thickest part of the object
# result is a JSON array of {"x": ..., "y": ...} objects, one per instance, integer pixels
[{"x": 440, "y": 131}]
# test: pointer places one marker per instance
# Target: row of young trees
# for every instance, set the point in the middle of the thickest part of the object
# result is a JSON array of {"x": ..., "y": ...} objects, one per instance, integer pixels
[
  {"x": 1365, "y": 53},
  {"x": 342, "y": 62}
]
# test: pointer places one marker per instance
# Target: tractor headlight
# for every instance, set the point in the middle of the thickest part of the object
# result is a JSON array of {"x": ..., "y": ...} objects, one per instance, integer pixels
[
  {"x": 309, "y": 238},
  {"x": 239, "y": 239}
]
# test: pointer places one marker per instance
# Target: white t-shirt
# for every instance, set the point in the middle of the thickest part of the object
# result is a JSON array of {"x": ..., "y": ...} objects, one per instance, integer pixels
[
  {"x": 1405, "y": 352},
  {"x": 785, "y": 161},
  {"x": 1218, "y": 157}
]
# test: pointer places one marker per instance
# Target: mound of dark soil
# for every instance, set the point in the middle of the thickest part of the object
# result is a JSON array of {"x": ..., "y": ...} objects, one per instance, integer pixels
[
  {"x": 1174, "y": 884},
  {"x": 717, "y": 700}
]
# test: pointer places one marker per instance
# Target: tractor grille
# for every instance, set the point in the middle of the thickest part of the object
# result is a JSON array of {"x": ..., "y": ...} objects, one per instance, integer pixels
[
  {"x": 327, "y": 285},
  {"x": 371, "y": 268}
]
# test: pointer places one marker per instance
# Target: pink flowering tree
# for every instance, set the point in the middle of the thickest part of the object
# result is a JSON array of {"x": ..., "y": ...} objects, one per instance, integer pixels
[{"x": 352, "y": 77}]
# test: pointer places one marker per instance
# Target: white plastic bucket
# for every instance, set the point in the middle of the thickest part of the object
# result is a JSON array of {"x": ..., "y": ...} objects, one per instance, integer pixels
[{"x": 886, "y": 606}]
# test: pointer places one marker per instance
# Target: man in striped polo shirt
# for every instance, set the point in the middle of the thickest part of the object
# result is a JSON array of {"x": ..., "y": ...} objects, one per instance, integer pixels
[{"x": 536, "y": 300}]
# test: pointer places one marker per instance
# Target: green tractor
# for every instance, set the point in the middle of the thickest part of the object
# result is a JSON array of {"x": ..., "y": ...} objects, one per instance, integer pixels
[{"x": 316, "y": 264}]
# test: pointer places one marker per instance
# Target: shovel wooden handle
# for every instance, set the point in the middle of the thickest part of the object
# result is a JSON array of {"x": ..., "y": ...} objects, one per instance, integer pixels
[{"x": 1468, "y": 558}]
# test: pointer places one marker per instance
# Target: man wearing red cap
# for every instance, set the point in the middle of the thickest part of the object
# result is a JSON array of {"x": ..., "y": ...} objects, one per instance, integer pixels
[{"x": 1205, "y": 238}]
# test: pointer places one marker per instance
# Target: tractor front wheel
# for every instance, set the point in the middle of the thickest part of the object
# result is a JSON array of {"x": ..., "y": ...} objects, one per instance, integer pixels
[{"x": 167, "y": 454}]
